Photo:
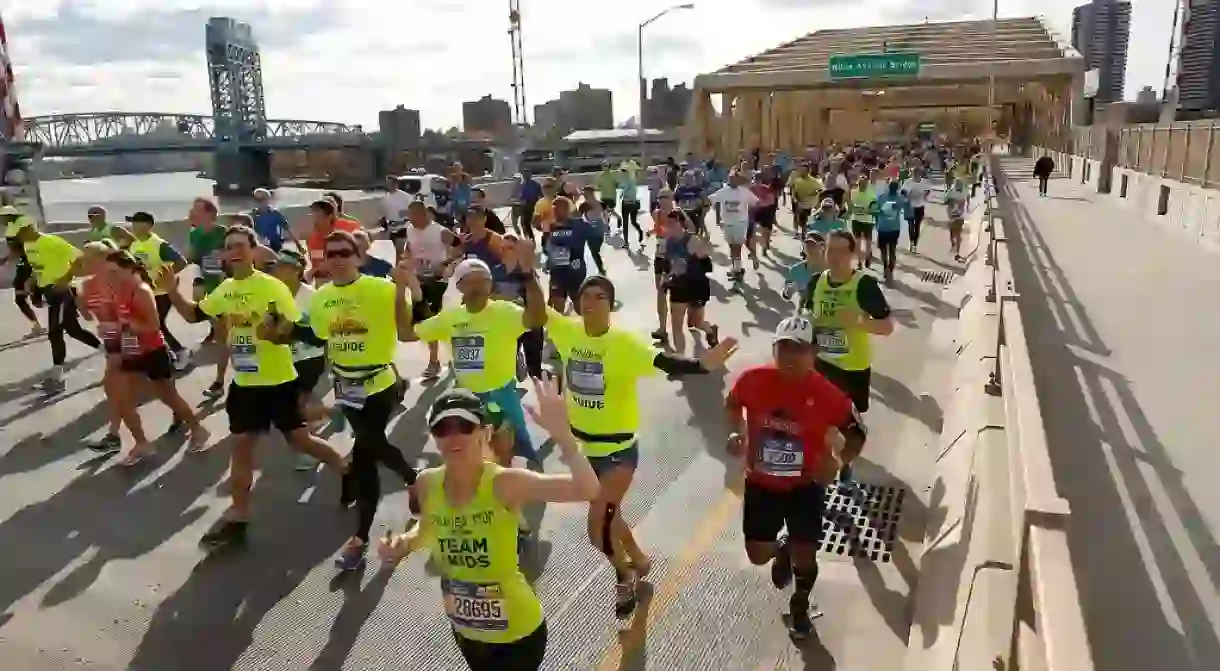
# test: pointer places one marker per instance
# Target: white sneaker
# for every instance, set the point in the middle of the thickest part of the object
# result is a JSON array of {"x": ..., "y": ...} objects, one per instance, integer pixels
[{"x": 182, "y": 360}]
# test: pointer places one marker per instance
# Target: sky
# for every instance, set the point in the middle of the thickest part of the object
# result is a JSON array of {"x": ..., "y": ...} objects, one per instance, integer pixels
[{"x": 344, "y": 60}]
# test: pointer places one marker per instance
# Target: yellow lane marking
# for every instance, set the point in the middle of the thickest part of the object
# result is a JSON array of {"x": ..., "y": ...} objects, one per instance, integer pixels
[{"x": 711, "y": 525}]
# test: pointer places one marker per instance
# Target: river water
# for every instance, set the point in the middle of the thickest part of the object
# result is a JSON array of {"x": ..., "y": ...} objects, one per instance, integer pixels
[{"x": 166, "y": 196}]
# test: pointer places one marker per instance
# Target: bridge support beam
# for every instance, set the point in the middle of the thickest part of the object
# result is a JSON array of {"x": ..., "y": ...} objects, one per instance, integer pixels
[{"x": 238, "y": 172}]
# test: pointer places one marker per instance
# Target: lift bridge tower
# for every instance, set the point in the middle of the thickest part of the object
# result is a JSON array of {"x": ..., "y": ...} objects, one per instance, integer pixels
[{"x": 235, "y": 74}]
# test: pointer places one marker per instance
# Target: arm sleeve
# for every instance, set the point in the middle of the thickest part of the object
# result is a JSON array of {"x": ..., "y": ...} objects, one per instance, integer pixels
[
  {"x": 304, "y": 333},
  {"x": 872, "y": 299},
  {"x": 677, "y": 365},
  {"x": 170, "y": 254}
]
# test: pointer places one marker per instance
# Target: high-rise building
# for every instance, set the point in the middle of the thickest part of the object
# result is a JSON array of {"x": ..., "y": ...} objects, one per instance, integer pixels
[
  {"x": 487, "y": 115},
  {"x": 666, "y": 107},
  {"x": 1100, "y": 32},
  {"x": 1146, "y": 96},
  {"x": 1198, "y": 79},
  {"x": 582, "y": 108},
  {"x": 400, "y": 126}
]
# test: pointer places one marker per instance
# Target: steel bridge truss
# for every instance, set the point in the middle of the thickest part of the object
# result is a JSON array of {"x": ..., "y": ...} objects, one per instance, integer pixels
[{"x": 148, "y": 130}]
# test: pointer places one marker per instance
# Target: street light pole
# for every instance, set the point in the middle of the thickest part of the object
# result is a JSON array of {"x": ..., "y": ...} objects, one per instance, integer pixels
[
  {"x": 991, "y": 123},
  {"x": 639, "y": 53}
]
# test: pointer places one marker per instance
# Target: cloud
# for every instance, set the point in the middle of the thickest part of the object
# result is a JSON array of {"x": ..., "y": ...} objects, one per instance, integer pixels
[{"x": 344, "y": 60}]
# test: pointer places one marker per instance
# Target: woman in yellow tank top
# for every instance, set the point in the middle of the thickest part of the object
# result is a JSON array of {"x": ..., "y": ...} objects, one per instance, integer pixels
[{"x": 469, "y": 509}]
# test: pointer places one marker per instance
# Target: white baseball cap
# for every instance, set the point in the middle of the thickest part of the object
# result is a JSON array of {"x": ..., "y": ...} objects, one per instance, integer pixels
[
  {"x": 470, "y": 267},
  {"x": 797, "y": 329}
]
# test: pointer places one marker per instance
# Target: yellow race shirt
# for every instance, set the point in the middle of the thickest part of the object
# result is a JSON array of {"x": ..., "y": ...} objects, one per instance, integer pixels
[
  {"x": 51, "y": 257},
  {"x": 357, "y": 321},
  {"x": 244, "y": 303},
  {"x": 806, "y": 191},
  {"x": 484, "y": 343},
  {"x": 601, "y": 376}
]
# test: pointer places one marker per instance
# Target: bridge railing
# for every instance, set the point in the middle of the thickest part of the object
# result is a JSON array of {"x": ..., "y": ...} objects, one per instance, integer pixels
[
  {"x": 997, "y": 589},
  {"x": 1047, "y": 624}
]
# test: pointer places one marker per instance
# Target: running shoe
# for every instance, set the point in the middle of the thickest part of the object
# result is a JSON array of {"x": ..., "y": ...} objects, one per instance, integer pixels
[
  {"x": 625, "y": 599},
  {"x": 781, "y": 564},
  {"x": 182, "y": 360},
  {"x": 53, "y": 385},
  {"x": 351, "y": 557},
  {"x": 225, "y": 533},
  {"x": 214, "y": 390},
  {"x": 801, "y": 622},
  {"x": 108, "y": 444}
]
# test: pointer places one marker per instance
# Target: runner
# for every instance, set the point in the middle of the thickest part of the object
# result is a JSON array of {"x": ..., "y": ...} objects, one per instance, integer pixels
[
  {"x": 849, "y": 308},
  {"x": 806, "y": 192},
  {"x": 916, "y": 189},
  {"x": 689, "y": 197},
  {"x": 798, "y": 280},
  {"x": 789, "y": 421},
  {"x": 594, "y": 217},
  {"x": 325, "y": 219},
  {"x": 660, "y": 264},
  {"x": 154, "y": 253},
  {"x": 630, "y": 191},
  {"x": 469, "y": 518},
  {"x": 602, "y": 368},
  {"x": 24, "y": 288},
  {"x": 360, "y": 320},
  {"x": 394, "y": 213},
  {"x": 432, "y": 248},
  {"x": 260, "y": 312},
  {"x": 205, "y": 249},
  {"x": 55, "y": 262},
  {"x": 371, "y": 265},
  {"x": 565, "y": 254},
  {"x": 101, "y": 230},
  {"x": 733, "y": 203},
  {"x": 764, "y": 212},
  {"x": 126, "y": 297},
  {"x": 483, "y": 335},
  {"x": 95, "y": 301},
  {"x": 862, "y": 202},
  {"x": 511, "y": 289},
  {"x": 956, "y": 199},
  {"x": 270, "y": 225},
  {"x": 688, "y": 258},
  {"x": 891, "y": 207},
  {"x": 308, "y": 359}
]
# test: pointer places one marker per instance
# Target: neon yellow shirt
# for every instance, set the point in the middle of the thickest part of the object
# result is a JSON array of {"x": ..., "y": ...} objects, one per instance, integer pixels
[
  {"x": 51, "y": 257},
  {"x": 475, "y": 547},
  {"x": 601, "y": 379},
  {"x": 484, "y": 343},
  {"x": 244, "y": 303},
  {"x": 806, "y": 191},
  {"x": 357, "y": 321},
  {"x": 148, "y": 251}
]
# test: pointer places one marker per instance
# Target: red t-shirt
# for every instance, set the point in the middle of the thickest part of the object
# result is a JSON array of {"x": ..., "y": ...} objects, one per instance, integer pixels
[
  {"x": 786, "y": 423},
  {"x": 316, "y": 242}
]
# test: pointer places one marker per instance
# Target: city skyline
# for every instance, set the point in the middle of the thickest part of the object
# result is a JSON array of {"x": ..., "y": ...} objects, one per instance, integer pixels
[{"x": 74, "y": 56}]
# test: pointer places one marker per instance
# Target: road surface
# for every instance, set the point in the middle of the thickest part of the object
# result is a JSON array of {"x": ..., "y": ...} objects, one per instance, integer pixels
[{"x": 102, "y": 568}]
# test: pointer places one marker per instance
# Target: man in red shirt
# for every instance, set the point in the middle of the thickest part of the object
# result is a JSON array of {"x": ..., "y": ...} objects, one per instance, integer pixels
[
  {"x": 789, "y": 422},
  {"x": 326, "y": 219}
]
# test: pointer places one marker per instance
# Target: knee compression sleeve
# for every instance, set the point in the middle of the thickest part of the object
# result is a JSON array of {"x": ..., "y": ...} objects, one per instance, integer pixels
[{"x": 607, "y": 535}]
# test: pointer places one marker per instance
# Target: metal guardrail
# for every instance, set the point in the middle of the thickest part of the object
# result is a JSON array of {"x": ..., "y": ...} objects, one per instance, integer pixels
[{"x": 1047, "y": 626}]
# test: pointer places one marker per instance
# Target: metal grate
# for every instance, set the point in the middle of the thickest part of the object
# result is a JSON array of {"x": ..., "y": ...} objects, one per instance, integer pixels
[
  {"x": 938, "y": 276},
  {"x": 862, "y": 521}
]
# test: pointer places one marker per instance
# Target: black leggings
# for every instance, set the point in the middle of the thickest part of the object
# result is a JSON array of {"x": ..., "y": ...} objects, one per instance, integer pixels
[
  {"x": 21, "y": 277},
  {"x": 370, "y": 448},
  {"x": 525, "y": 654},
  {"x": 164, "y": 305},
  {"x": 62, "y": 318},
  {"x": 914, "y": 224},
  {"x": 595, "y": 250},
  {"x": 1042, "y": 180},
  {"x": 531, "y": 345},
  {"x": 631, "y": 214}
]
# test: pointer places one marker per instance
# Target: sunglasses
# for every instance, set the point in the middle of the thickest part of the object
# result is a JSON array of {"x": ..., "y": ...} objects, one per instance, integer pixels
[
  {"x": 340, "y": 253},
  {"x": 453, "y": 426}
]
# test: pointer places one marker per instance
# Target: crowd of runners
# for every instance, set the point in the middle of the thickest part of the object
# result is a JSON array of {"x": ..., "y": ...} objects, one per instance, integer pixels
[{"x": 286, "y": 312}]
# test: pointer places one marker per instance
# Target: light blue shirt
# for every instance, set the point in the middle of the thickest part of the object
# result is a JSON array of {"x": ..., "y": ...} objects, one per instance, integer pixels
[{"x": 890, "y": 208}]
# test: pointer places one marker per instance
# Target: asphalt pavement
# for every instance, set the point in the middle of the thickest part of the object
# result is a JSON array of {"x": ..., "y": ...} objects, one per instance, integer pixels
[{"x": 102, "y": 569}]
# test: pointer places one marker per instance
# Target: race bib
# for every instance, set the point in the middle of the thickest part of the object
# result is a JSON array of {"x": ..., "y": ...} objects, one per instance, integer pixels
[
  {"x": 887, "y": 208},
  {"x": 245, "y": 359},
  {"x": 468, "y": 353},
  {"x": 586, "y": 378},
  {"x": 428, "y": 269},
  {"x": 677, "y": 267},
  {"x": 109, "y": 331},
  {"x": 350, "y": 393},
  {"x": 782, "y": 456},
  {"x": 831, "y": 341},
  {"x": 130, "y": 344},
  {"x": 732, "y": 206},
  {"x": 477, "y": 606},
  {"x": 561, "y": 256},
  {"x": 212, "y": 265}
]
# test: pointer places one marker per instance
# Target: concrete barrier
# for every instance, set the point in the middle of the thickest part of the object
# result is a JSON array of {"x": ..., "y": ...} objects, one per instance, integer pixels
[{"x": 996, "y": 588}]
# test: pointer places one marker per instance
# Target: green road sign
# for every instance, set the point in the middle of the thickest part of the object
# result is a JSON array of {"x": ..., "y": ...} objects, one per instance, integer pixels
[{"x": 859, "y": 66}]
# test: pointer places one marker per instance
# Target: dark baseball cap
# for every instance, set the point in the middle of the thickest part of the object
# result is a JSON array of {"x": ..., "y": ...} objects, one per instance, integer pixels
[{"x": 141, "y": 217}]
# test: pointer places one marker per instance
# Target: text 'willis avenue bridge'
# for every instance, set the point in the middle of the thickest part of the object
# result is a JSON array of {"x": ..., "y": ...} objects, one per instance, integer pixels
[{"x": 238, "y": 131}]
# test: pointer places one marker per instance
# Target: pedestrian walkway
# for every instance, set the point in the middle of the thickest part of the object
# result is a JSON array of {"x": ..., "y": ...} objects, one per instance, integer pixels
[
  {"x": 1123, "y": 321},
  {"x": 102, "y": 569}
]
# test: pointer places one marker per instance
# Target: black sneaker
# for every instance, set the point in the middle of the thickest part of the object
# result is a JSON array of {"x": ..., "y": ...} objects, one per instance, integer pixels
[
  {"x": 625, "y": 599},
  {"x": 176, "y": 427},
  {"x": 214, "y": 390},
  {"x": 52, "y": 386},
  {"x": 801, "y": 625},
  {"x": 781, "y": 564},
  {"x": 225, "y": 533},
  {"x": 108, "y": 444}
]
